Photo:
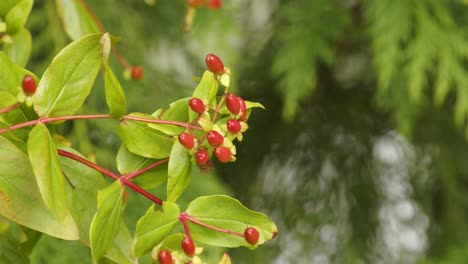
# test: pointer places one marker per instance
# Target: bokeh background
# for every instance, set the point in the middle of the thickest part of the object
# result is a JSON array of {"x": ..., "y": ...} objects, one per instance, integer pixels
[{"x": 361, "y": 154}]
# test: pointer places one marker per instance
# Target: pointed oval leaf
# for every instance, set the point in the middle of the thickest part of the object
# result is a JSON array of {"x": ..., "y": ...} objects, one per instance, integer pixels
[
  {"x": 144, "y": 141},
  {"x": 106, "y": 223},
  {"x": 18, "y": 15},
  {"x": 68, "y": 81},
  {"x": 20, "y": 200},
  {"x": 177, "y": 111},
  {"x": 115, "y": 96},
  {"x": 20, "y": 47},
  {"x": 83, "y": 206},
  {"x": 76, "y": 20},
  {"x": 227, "y": 213},
  {"x": 47, "y": 169},
  {"x": 128, "y": 162},
  {"x": 154, "y": 226},
  {"x": 179, "y": 172}
]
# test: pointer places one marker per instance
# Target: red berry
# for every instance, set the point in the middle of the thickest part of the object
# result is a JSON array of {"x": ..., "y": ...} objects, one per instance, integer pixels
[
  {"x": 251, "y": 235},
  {"x": 233, "y": 126},
  {"x": 243, "y": 109},
  {"x": 214, "y": 64},
  {"x": 223, "y": 154},
  {"x": 186, "y": 140},
  {"x": 165, "y": 257},
  {"x": 197, "y": 105},
  {"x": 29, "y": 85},
  {"x": 188, "y": 246},
  {"x": 202, "y": 157},
  {"x": 137, "y": 73},
  {"x": 214, "y": 138},
  {"x": 233, "y": 104},
  {"x": 195, "y": 3},
  {"x": 214, "y": 4}
]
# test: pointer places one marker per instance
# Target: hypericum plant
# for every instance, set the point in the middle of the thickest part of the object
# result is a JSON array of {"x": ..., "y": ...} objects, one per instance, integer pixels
[{"x": 47, "y": 186}]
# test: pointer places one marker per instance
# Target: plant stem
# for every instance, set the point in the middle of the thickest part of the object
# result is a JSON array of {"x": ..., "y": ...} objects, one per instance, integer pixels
[
  {"x": 110, "y": 174},
  {"x": 137, "y": 173},
  {"x": 183, "y": 219},
  {"x": 9, "y": 108},
  {"x": 159, "y": 121},
  {"x": 194, "y": 220}
]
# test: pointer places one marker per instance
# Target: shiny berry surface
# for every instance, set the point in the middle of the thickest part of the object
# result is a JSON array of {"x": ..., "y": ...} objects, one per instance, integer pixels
[
  {"x": 197, "y": 105},
  {"x": 29, "y": 85},
  {"x": 137, "y": 73},
  {"x": 243, "y": 109},
  {"x": 165, "y": 257},
  {"x": 186, "y": 140},
  {"x": 251, "y": 235},
  {"x": 233, "y": 126},
  {"x": 202, "y": 157},
  {"x": 214, "y": 138},
  {"x": 223, "y": 154},
  {"x": 188, "y": 246},
  {"x": 214, "y": 63},
  {"x": 233, "y": 104}
]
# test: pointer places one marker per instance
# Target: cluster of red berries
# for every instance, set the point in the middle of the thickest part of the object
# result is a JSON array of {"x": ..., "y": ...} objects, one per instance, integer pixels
[
  {"x": 251, "y": 235},
  {"x": 212, "y": 4},
  {"x": 215, "y": 138}
]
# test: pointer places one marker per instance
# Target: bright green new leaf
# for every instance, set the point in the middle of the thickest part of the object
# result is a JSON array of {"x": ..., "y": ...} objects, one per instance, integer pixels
[
  {"x": 20, "y": 47},
  {"x": 21, "y": 201},
  {"x": 6, "y": 5},
  {"x": 179, "y": 173},
  {"x": 11, "y": 75},
  {"x": 154, "y": 226},
  {"x": 106, "y": 223},
  {"x": 227, "y": 213},
  {"x": 76, "y": 20},
  {"x": 47, "y": 169},
  {"x": 83, "y": 206},
  {"x": 18, "y": 15},
  {"x": 143, "y": 140},
  {"x": 177, "y": 111},
  {"x": 206, "y": 91},
  {"x": 128, "y": 163},
  {"x": 68, "y": 81},
  {"x": 115, "y": 96}
]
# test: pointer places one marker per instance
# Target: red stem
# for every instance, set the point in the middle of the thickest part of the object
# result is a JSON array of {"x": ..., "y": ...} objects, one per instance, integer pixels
[
  {"x": 137, "y": 173},
  {"x": 183, "y": 219},
  {"x": 159, "y": 121},
  {"x": 9, "y": 108},
  {"x": 111, "y": 174},
  {"x": 194, "y": 220}
]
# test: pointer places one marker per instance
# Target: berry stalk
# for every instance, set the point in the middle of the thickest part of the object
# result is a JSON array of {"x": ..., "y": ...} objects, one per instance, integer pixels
[
  {"x": 196, "y": 221},
  {"x": 10, "y": 108}
]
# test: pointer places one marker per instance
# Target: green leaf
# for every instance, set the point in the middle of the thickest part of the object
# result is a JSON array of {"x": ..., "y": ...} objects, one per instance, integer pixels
[
  {"x": 171, "y": 243},
  {"x": 46, "y": 166},
  {"x": 177, "y": 111},
  {"x": 115, "y": 96},
  {"x": 227, "y": 213},
  {"x": 68, "y": 81},
  {"x": 106, "y": 223},
  {"x": 142, "y": 140},
  {"x": 18, "y": 15},
  {"x": 20, "y": 200},
  {"x": 11, "y": 75},
  {"x": 83, "y": 206},
  {"x": 20, "y": 47},
  {"x": 249, "y": 105},
  {"x": 206, "y": 91},
  {"x": 128, "y": 162},
  {"x": 76, "y": 20},
  {"x": 10, "y": 243},
  {"x": 6, "y": 5},
  {"x": 154, "y": 226},
  {"x": 179, "y": 172}
]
